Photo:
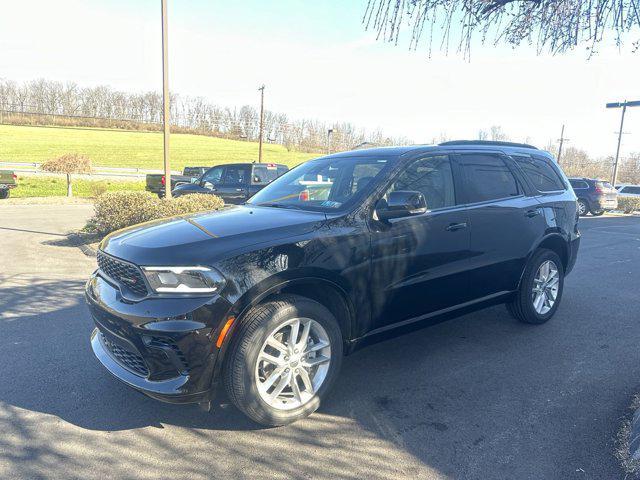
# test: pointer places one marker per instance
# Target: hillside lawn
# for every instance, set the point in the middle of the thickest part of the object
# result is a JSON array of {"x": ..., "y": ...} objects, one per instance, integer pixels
[{"x": 132, "y": 149}]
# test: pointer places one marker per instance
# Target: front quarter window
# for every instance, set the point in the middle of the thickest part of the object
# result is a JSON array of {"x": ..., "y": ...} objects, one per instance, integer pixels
[{"x": 324, "y": 184}]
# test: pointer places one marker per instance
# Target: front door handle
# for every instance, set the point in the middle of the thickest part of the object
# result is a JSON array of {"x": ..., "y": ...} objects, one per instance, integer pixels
[
  {"x": 532, "y": 213},
  {"x": 456, "y": 226}
]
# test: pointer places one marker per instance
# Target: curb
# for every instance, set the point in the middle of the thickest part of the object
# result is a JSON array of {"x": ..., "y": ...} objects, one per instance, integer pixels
[{"x": 77, "y": 241}]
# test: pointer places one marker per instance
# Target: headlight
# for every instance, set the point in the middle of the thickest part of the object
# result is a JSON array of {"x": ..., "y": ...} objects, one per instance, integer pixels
[{"x": 184, "y": 279}]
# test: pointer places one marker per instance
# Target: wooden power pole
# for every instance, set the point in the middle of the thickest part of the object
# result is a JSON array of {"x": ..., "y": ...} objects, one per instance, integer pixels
[
  {"x": 165, "y": 100},
  {"x": 561, "y": 140},
  {"x": 261, "y": 123}
]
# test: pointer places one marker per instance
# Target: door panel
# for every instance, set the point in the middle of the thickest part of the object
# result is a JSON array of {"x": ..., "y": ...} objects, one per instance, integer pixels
[
  {"x": 234, "y": 184},
  {"x": 419, "y": 266},
  {"x": 504, "y": 222}
]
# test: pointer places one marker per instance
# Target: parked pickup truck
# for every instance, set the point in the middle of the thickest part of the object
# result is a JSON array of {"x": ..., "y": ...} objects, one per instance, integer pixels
[
  {"x": 156, "y": 181},
  {"x": 8, "y": 180},
  {"x": 235, "y": 183}
]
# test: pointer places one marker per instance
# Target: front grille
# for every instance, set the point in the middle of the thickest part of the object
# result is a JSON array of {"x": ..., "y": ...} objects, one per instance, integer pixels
[
  {"x": 128, "y": 359},
  {"x": 124, "y": 273}
]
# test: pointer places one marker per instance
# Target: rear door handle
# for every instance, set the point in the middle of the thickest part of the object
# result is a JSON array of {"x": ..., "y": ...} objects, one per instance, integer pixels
[
  {"x": 456, "y": 226},
  {"x": 532, "y": 213}
]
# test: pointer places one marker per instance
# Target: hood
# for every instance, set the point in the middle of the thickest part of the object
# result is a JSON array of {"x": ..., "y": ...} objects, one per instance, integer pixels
[{"x": 207, "y": 237}]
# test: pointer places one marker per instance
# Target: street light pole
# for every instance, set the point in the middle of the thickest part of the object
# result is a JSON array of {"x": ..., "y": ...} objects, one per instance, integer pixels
[
  {"x": 261, "y": 123},
  {"x": 165, "y": 99},
  {"x": 329, "y": 132},
  {"x": 624, "y": 105}
]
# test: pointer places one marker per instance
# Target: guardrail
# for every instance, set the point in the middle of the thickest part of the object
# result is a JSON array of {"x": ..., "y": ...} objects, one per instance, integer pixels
[{"x": 32, "y": 167}]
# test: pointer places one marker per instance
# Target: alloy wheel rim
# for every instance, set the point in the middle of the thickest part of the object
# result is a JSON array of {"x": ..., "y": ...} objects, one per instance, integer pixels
[
  {"x": 545, "y": 287},
  {"x": 293, "y": 363},
  {"x": 582, "y": 208}
]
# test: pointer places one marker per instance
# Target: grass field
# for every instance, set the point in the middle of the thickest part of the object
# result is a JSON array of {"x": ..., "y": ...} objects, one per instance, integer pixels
[
  {"x": 32, "y": 186},
  {"x": 119, "y": 148}
]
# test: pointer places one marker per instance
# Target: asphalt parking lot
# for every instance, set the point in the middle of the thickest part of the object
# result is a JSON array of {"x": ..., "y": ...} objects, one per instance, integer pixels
[{"x": 479, "y": 397}]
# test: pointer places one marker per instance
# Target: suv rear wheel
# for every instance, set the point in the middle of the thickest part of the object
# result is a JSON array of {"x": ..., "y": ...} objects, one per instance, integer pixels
[
  {"x": 583, "y": 208},
  {"x": 283, "y": 360},
  {"x": 540, "y": 290}
]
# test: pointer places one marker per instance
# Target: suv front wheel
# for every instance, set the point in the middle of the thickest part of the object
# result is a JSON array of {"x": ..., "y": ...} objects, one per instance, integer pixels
[
  {"x": 540, "y": 291},
  {"x": 283, "y": 360}
]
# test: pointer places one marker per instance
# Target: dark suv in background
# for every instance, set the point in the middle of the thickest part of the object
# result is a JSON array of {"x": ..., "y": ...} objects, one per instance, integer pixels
[
  {"x": 595, "y": 196},
  {"x": 264, "y": 299},
  {"x": 235, "y": 183}
]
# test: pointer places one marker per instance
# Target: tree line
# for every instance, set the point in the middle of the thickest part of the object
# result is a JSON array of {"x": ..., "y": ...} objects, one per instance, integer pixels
[{"x": 50, "y": 102}]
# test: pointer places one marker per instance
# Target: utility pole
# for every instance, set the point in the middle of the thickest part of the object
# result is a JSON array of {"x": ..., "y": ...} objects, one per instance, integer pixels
[
  {"x": 261, "y": 122},
  {"x": 561, "y": 140},
  {"x": 624, "y": 106},
  {"x": 329, "y": 132},
  {"x": 165, "y": 99}
]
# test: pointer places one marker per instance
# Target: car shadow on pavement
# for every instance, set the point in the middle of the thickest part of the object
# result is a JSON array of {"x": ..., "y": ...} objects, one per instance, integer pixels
[{"x": 471, "y": 398}]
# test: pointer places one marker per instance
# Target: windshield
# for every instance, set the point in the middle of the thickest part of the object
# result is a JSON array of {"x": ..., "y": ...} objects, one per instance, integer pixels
[{"x": 324, "y": 184}]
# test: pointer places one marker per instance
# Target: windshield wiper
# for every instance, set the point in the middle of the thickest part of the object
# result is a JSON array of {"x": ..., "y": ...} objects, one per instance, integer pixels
[{"x": 279, "y": 205}]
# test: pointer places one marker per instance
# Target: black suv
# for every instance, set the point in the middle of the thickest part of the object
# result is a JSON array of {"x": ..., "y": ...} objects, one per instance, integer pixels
[
  {"x": 264, "y": 299},
  {"x": 595, "y": 196}
]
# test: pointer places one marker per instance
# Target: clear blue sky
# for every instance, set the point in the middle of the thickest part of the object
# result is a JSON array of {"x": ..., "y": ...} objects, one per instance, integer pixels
[{"x": 318, "y": 62}]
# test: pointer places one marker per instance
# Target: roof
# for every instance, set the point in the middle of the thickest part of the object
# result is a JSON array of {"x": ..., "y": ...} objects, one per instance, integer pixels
[{"x": 506, "y": 147}]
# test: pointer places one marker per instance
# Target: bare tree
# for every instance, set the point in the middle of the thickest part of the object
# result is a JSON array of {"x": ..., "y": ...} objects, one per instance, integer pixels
[
  {"x": 497, "y": 134},
  {"x": 550, "y": 25},
  {"x": 68, "y": 164}
]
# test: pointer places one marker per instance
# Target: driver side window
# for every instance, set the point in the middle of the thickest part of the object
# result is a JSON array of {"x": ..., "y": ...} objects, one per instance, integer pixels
[
  {"x": 432, "y": 177},
  {"x": 214, "y": 175}
]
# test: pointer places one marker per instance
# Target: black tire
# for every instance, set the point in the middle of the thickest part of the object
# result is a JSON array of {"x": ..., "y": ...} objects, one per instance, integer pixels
[
  {"x": 597, "y": 213},
  {"x": 4, "y": 193},
  {"x": 583, "y": 207},
  {"x": 521, "y": 307},
  {"x": 254, "y": 328}
]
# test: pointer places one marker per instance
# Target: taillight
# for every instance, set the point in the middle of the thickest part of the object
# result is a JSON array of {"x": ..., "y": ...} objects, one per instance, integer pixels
[
  {"x": 163, "y": 181},
  {"x": 304, "y": 196},
  {"x": 15, "y": 177},
  {"x": 599, "y": 189}
]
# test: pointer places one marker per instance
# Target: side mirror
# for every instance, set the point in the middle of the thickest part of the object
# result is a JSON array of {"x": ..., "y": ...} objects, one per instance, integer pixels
[
  {"x": 208, "y": 185},
  {"x": 401, "y": 204}
]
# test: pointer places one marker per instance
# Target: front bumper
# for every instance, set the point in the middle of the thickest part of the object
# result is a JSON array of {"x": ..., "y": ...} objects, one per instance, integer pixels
[{"x": 162, "y": 347}]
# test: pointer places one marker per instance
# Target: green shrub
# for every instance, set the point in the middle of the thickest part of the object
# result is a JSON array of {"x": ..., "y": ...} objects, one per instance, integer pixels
[
  {"x": 116, "y": 210},
  {"x": 629, "y": 204}
]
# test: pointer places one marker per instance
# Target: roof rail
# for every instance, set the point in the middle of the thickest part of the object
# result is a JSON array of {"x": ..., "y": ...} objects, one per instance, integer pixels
[{"x": 487, "y": 143}]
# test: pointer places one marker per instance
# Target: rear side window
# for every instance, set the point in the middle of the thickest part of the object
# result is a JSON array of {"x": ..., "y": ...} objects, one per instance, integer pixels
[
  {"x": 634, "y": 190},
  {"x": 263, "y": 174},
  {"x": 541, "y": 175},
  {"x": 487, "y": 178},
  {"x": 578, "y": 184}
]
